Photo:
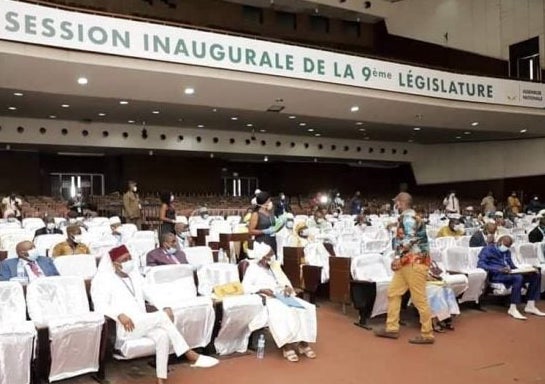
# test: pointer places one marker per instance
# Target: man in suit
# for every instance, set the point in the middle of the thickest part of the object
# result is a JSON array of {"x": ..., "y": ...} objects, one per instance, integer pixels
[
  {"x": 536, "y": 234},
  {"x": 483, "y": 237},
  {"x": 34, "y": 266},
  {"x": 167, "y": 253},
  {"x": 49, "y": 228},
  {"x": 132, "y": 206}
]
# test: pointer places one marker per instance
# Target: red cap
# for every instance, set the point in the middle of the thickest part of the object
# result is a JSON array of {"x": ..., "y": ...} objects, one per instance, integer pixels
[{"x": 117, "y": 252}]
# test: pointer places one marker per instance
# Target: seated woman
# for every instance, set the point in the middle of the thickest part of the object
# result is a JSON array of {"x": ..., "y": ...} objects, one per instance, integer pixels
[{"x": 292, "y": 321}]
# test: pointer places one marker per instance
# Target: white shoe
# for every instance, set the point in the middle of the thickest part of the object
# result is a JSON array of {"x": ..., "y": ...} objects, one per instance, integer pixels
[
  {"x": 534, "y": 311},
  {"x": 516, "y": 314},
  {"x": 205, "y": 362}
]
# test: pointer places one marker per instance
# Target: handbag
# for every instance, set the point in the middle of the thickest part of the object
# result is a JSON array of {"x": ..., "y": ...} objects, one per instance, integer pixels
[{"x": 434, "y": 271}]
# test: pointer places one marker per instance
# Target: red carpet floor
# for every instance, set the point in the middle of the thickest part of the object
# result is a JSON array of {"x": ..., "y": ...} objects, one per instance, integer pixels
[{"x": 488, "y": 347}]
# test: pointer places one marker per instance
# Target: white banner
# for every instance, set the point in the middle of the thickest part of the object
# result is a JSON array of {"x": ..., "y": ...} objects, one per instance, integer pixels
[{"x": 28, "y": 23}]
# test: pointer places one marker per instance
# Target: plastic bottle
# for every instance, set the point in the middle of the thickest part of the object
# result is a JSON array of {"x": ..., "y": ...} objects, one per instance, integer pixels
[
  {"x": 261, "y": 346},
  {"x": 233, "y": 257},
  {"x": 20, "y": 270},
  {"x": 221, "y": 256}
]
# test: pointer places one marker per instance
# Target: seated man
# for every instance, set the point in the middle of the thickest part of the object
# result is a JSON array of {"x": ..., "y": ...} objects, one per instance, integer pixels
[
  {"x": 318, "y": 221},
  {"x": 34, "y": 266},
  {"x": 167, "y": 253},
  {"x": 119, "y": 292},
  {"x": 453, "y": 229},
  {"x": 536, "y": 234},
  {"x": 49, "y": 229},
  {"x": 183, "y": 236},
  {"x": 496, "y": 260},
  {"x": 115, "y": 225},
  {"x": 469, "y": 220},
  {"x": 73, "y": 244},
  {"x": 484, "y": 237},
  {"x": 292, "y": 327}
]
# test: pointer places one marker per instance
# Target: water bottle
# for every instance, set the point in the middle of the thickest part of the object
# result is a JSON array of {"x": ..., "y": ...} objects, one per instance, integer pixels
[
  {"x": 233, "y": 257},
  {"x": 20, "y": 270},
  {"x": 261, "y": 346},
  {"x": 221, "y": 256}
]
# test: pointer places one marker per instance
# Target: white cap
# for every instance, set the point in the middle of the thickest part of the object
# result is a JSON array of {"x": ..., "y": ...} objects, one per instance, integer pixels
[
  {"x": 454, "y": 216},
  {"x": 470, "y": 208},
  {"x": 257, "y": 191},
  {"x": 498, "y": 214},
  {"x": 259, "y": 251},
  {"x": 115, "y": 220}
]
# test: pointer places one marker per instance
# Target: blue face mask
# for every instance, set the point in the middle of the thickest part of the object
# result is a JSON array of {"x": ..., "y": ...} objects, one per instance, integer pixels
[{"x": 503, "y": 248}]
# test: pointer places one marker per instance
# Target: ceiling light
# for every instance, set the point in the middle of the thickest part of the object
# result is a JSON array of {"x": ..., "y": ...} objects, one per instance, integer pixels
[
  {"x": 366, "y": 138},
  {"x": 234, "y": 118},
  {"x": 458, "y": 137},
  {"x": 310, "y": 130},
  {"x": 262, "y": 130},
  {"x": 302, "y": 124},
  {"x": 65, "y": 105},
  {"x": 266, "y": 158},
  {"x": 291, "y": 117},
  {"x": 155, "y": 112},
  {"x": 123, "y": 102},
  {"x": 467, "y": 133},
  {"x": 417, "y": 129},
  {"x": 410, "y": 140},
  {"x": 17, "y": 94},
  {"x": 52, "y": 116},
  {"x": 361, "y": 129},
  {"x": 12, "y": 108},
  {"x": 82, "y": 81},
  {"x": 523, "y": 130},
  {"x": 214, "y": 110},
  {"x": 211, "y": 155},
  {"x": 189, "y": 91},
  {"x": 200, "y": 126},
  {"x": 101, "y": 114},
  {"x": 249, "y": 125},
  {"x": 131, "y": 121},
  {"x": 359, "y": 123},
  {"x": 317, "y": 135},
  {"x": 475, "y": 123},
  {"x": 354, "y": 108}
]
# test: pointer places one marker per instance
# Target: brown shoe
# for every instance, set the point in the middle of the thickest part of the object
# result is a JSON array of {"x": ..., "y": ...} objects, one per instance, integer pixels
[
  {"x": 422, "y": 340},
  {"x": 387, "y": 334}
]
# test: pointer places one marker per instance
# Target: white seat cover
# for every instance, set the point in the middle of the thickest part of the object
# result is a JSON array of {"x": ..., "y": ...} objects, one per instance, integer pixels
[
  {"x": 166, "y": 273},
  {"x": 44, "y": 243},
  {"x": 16, "y": 335},
  {"x": 198, "y": 256},
  {"x": 211, "y": 275},
  {"x": 76, "y": 265},
  {"x": 61, "y": 304},
  {"x": 32, "y": 223},
  {"x": 374, "y": 268}
]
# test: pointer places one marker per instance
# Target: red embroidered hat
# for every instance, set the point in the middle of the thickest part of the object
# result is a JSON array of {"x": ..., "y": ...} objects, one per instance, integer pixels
[{"x": 117, "y": 252}]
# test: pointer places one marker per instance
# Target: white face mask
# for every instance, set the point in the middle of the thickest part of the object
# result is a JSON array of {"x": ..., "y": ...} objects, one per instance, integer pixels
[
  {"x": 319, "y": 221},
  {"x": 134, "y": 189},
  {"x": 171, "y": 199},
  {"x": 459, "y": 227},
  {"x": 289, "y": 224},
  {"x": 72, "y": 221},
  {"x": 32, "y": 254},
  {"x": 50, "y": 226},
  {"x": 127, "y": 267},
  {"x": 205, "y": 216},
  {"x": 77, "y": 238},
  {"x": 303, "y": 233},
  {"x": 171, "y": 250},
  {"x": 503, "y": 248}
]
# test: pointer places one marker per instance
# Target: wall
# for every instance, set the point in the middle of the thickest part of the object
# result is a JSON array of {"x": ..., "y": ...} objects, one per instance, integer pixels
[{"x": 497, "y": 23}]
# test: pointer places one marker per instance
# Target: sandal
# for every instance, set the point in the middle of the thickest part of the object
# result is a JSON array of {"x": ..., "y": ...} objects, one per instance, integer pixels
[
  {"x": 290, "y": 355},
  {"x": 307, "y": 351},
  {"x": 438, "y": 328}
]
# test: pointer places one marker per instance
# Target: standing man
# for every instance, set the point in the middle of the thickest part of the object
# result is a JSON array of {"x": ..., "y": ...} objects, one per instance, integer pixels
[
  {"x": 356, "y": 204},
  {"x": 132, "y": 206},
  {"x": 12, "y": 204},
  {"x": 513, "y": 204},
  {"x": 488, "y": 204},
  {"x": 282, "y": 205},
  {"x": 410, "y": 268},
  {"x": 451, "y": 203}
]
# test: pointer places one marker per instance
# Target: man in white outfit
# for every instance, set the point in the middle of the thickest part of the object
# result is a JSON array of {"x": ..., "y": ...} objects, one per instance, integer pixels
[
  {"x": 119, "y": 291},
  {"x": 451, "y": 203},
  {"x": 292, "y": 321}
]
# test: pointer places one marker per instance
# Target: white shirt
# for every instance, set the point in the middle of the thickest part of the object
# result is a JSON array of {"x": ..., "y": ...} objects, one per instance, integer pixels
[{"x": 31, "y": 275}]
